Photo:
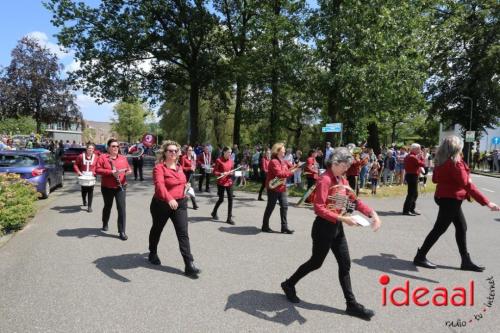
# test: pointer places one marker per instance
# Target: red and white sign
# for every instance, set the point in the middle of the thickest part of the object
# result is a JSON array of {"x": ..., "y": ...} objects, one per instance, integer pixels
[{"x": 148, "y": 140}]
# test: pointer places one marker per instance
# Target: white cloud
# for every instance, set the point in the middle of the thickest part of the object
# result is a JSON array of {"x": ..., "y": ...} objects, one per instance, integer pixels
[
  {"x": 73, "y": 66},
  {"x": 43, "y": 39},
  {"x": 93, "y": 111}
]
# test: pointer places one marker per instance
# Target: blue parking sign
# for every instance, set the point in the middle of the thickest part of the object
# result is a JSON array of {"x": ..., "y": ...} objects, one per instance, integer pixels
[{"x": 495, "y": 140}]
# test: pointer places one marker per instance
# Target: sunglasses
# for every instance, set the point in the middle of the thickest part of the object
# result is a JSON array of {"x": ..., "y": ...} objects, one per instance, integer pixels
[
  {"x": 172, "y": 151},
  {"x": 114, "y": 146}
]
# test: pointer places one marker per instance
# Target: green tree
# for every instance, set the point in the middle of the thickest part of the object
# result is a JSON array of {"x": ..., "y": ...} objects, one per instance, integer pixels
[
  {"x": 22, "y": 125},
  {"x": 149, "y": 47},
  {"x": 32, "y": 86},
  {"x": 130, "y": 120}
]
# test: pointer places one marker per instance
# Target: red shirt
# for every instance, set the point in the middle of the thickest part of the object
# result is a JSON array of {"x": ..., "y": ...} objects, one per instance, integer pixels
[
  {"x": 223, "y": 165},
  {"x": 186, "y": 164},
  {"x": 277, "y": 168},
  {"x": 104, "y": 169},
  {"x": 453, "y": 181},
  {"x": 264, "y": 164},
  {"x": 80, "y": 166},
  {"x": 203, "y": 158},
  {"x": 355, "y": 168},
  {"x": 169, "y": 183},
  {"x": 414, "y": 163},
  {"x": 323, "y": 185},
  {"x": 311, "y": 168}
]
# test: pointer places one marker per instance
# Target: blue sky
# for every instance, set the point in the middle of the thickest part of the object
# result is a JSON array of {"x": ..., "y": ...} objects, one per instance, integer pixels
[{"x": 19, "y": 18}]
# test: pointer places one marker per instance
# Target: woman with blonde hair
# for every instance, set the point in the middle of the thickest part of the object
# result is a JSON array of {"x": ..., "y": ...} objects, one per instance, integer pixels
[
  {"x": 170, "y": 202},
  {"x": 454, "y": 184},
  {"x": 277, "y": 171}
]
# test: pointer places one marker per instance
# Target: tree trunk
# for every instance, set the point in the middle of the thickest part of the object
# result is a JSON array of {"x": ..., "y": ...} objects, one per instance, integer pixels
[
  {"x": 237, "y": 112},
  {"x": 274, "y": 116},
  {"x": 373, "y": 139},
  {"x": 393, "y": 133},
  {"x": 194, "y": 96}
]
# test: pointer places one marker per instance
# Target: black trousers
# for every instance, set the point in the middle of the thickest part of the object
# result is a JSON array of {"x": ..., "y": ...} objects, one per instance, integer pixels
[
  {"x": 328, "y": 236},
  {"x": 353, "y": 183},
  {"x": 203, "y": 176},
  {"x": 310, "y": 182},
  {"x": 411, "y": 197},
  {"x": 450, "y": 211},
  {"x": 88, "y": 194},
  {"x": 263, "y": 183},
  {"x": 188, "y": 178},
  {"x": 108, "y": 195},
  {"x": 138, "y": 164},
  {"x": 272, "y": 197},
  {"x": 220, "y": 193},
  {"x": 161, "y": 212},
  {"x": 255, "y": 174}
]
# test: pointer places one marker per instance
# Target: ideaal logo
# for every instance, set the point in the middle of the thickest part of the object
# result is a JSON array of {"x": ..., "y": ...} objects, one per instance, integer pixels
[{"x": 439, "y": 296}]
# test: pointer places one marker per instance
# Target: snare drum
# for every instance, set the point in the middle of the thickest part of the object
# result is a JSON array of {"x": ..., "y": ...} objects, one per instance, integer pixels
[
  {"x": 209, "y": 170},
  {"x": 86, "y": 181},
  {"x": 238, "y": 173}
]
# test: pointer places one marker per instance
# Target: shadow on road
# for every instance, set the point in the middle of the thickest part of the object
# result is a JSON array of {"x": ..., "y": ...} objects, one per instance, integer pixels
[
  {"x": 195, "y": 219},
  {"x": 84, "y": 232},
  {"x": 391, "y": 264},
  {"x": 498, "y": 220},
  {"x": 109, "y": 265},
  {"x": 273, "y": 307},
  {"x": 245, "y": 231},
  {"x": 389, "y": 213},
  {"x": 68, "y": 209}
]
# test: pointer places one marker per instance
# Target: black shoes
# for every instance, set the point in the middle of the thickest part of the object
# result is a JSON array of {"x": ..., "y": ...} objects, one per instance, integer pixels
[
  {"x": 468, "y": 265},
  {"x": 195, "y": 207},
  {"x": 267, "y": 229},
  {"x": 260, "y": 199},
  {"x": 230, "y": 221},
  {"x": 123, "y": 236},
  {"x": 89, "y": 209},
  {"x": 421, "y": 260},
  {"x": 191, "y": 271},
  {"x": 104, "y": 227},
  {"x": 85, "y": 203},
  {"x": 290, "y": 292},
  {"x": 153, "y": 259},
  {"x": 357, "y": 310},
  {"x": 414, "y": 212},
  {"x": 409, "y": 214},
  {"x": 287, "y": 231},
  {"x": 214, "y": 216}
]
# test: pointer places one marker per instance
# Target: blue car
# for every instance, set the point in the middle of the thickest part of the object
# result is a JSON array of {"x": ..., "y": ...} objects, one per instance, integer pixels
[{"x": 39, "y": 167}]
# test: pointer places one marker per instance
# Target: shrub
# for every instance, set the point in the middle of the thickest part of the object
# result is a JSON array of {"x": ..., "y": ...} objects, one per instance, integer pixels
[{"x": 17, "y": 202}]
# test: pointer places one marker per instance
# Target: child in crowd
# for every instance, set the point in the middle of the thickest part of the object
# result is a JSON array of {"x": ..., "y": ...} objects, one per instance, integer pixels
[{"x": 374, "y": 174}]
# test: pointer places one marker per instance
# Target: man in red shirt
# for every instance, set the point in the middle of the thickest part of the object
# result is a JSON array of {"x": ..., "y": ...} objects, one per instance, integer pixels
[{"x": 413, "y": 162}]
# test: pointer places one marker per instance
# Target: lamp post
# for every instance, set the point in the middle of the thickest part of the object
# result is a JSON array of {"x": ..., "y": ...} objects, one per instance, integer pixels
[{"x": 470, "y": 125}]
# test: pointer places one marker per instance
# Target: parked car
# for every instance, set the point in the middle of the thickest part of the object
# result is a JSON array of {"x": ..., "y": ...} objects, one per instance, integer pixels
[
  {"x": 100, "y": 149},
  {"x": 41, "y": 168},
  {"x": 69, "y": 157}
]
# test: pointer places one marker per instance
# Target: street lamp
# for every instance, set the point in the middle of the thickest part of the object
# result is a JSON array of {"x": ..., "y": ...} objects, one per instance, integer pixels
[{"x": 470, "y": 125}]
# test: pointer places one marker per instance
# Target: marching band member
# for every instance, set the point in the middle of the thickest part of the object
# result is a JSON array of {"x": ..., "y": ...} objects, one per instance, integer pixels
[
  {"x": 137, "y": 162},
  {"x": 170, "y": 202},
  {"x": 113, "y": 168},
  {"x": 204, "y": 162},
  {"x": 454, "y": 184},
  {"x": 85, "y": 164},
  {"x": 264, "y": 168},
  {"x": 188, "y": 166},
  {"x": 354, "y": 171},
  {"x": 224, "y": 169},
  {"x": 328, "y": 234},
  {"x": 278, "y": 172},
  {"x": 311, "y": 170},
  {"x": 414, "y": 161}
]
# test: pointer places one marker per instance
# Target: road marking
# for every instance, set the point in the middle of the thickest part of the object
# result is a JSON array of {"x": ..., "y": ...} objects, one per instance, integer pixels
[{"x": 487, "y": 190}]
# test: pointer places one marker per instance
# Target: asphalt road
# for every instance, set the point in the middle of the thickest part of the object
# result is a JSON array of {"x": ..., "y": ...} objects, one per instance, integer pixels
[{"x": 62, "y": 274}]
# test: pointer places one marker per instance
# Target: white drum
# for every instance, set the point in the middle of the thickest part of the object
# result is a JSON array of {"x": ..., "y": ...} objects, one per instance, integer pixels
[
  {"x": 86, "y": 180},
  {"x": 209, "y": 170},
  {"x": 238, "y": 173}
]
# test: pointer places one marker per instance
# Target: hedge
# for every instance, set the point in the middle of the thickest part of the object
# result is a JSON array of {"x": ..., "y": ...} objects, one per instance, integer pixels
[{"x": 17, "y": 202}]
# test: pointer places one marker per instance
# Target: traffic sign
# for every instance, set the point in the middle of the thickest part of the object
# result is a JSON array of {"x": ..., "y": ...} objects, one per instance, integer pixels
[
  {"x": 332, "y": 127},
  {"x": 470, "y": 136},
  {"x": 495, "y": 140}
]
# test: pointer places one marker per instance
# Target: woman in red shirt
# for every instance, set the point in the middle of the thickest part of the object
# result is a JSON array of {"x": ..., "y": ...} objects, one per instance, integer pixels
[
  {"x": 264, "y": 167},
  {"x": 170, "y": 202},
  {"x": 223, "y": 168},
  {"x": 188, "y": 164},
  {"x": 328, "y": 234},
  {"x": 454, "y": 184},
  {"x": 278, "y": 168},
  {"x": 85, "y": 164},
  {"x": 311, "y": 170},
  {"x": 113, "y": 168}
]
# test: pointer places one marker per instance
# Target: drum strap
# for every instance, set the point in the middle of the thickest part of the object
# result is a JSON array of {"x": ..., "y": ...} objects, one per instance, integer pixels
[
  {"x": 88, "y": 162},
  {"x": 206, "y": 159}
]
